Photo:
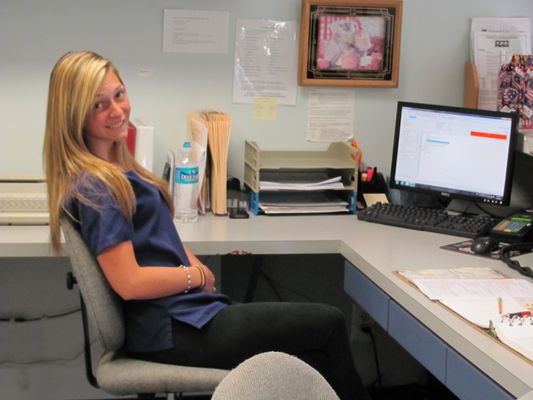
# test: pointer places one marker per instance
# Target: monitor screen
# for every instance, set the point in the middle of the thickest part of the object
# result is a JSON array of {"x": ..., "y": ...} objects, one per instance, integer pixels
[{"x": 454, "y": 152}]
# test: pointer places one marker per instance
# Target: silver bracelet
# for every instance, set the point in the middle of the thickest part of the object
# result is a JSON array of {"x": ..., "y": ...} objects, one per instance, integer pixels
[{"x": 189, "y": 279}]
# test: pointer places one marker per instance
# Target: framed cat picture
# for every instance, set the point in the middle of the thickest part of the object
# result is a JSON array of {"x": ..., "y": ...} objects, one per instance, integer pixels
[{"x": 350, "y": 43}]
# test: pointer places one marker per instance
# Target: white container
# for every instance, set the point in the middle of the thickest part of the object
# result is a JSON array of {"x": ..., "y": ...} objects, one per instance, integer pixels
[
  {"x": 186, "y": 186},
  {"x": 144, "y": 146}
]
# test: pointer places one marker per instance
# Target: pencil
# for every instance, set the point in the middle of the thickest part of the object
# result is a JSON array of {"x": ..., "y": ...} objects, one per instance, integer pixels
[{"x": 500, "y": 305}]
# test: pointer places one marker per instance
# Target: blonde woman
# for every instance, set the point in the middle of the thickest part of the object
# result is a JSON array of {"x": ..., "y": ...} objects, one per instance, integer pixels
[{"x": 124, "y": 213}]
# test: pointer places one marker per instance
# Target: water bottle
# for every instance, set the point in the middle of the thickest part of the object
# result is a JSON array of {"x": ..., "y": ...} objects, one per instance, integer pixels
[{"x": 185, "y": 186}]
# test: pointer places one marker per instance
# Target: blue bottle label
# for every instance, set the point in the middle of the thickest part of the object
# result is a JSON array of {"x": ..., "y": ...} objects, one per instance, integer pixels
[{"x": 187, "y": 175}]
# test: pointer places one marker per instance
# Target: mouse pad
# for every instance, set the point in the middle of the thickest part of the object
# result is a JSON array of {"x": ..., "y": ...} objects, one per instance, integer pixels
[{"x": 464, "y": 247}]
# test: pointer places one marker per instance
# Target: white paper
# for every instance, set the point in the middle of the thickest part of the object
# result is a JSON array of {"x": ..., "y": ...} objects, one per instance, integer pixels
[
  {"x": 303, "y": 209},
  {"x": 480, "y": 311},
  {"x": 265, "y": 61},
  {"x": 493, "y": 42},
  {"x": 527, "y": 144},
  {"x": 333, "y": 183},
  {"x": 330, "y": 115},
  {"x": 500, "y": 24},
  {"x": 440, "y": 289},
  {"x": 453, "y": 273},
  {"x": 195, "y": 31},
  {"x": 302, "y": 203}
]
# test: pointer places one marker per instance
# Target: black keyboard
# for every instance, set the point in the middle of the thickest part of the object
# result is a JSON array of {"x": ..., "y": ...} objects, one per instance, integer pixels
[{"x": 427, "y": 219}]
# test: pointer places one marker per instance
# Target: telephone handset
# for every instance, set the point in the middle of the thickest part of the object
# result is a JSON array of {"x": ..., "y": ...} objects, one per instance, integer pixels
[{"x": 516, "y": 228}]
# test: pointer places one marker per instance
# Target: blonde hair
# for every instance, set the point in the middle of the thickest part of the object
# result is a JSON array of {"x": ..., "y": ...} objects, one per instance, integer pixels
[{"x": 74, "y": 82}]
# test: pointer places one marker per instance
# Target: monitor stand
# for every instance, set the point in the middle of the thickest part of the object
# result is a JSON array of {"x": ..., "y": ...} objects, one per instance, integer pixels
[
  {"x": 408, "y": 198},
  {"x": 457, "y": 206}
]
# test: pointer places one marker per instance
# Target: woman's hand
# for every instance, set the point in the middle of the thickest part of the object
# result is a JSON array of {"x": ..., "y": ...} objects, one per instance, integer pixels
[{"x": 209, "y": 286}]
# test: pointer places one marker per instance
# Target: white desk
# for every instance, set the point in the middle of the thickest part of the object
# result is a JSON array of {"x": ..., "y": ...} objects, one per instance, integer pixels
[
  {"x": 375, "y": 250},
  {"x": 24, "y": 241}
]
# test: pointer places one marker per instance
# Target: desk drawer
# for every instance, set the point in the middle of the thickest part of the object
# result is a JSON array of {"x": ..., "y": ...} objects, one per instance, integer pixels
[
  {"x": 414, "y": 337},
  {"x": 365, "y": 293},
  {"x": 469, "y": 383}
]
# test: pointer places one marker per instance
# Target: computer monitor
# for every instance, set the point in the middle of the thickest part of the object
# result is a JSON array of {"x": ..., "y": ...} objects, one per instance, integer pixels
[{"x": 454, "y": 152}]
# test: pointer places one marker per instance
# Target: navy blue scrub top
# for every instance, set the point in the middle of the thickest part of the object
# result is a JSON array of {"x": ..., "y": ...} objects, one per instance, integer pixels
[{"x": 156, "y": 242}]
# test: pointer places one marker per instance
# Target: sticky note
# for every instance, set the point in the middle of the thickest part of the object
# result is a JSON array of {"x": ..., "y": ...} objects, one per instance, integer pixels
[
  {"x": 372, "y": 198},
  {"x": 265, "y": 108}
]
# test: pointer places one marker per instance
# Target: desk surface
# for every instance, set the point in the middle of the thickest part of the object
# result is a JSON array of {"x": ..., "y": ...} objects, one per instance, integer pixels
[{"x": 376, "y": 250}]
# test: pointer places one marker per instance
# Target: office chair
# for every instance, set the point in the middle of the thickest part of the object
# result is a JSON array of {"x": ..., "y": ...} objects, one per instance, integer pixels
[
  {"x": 115, "y": 372},
  {"x": 274, "y": 375}
]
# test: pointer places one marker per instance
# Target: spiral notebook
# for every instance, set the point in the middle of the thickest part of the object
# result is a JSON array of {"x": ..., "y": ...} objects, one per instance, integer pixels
[
  {"x": 516, "y": 333},
  {"x": 485, "y": 298}
]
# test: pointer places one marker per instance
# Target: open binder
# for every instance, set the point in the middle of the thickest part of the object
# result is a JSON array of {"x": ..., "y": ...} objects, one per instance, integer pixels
[{"x": 472, "y": 293}]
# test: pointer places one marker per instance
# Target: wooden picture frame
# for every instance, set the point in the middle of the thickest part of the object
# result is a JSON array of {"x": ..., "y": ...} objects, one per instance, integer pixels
[{"x": 350, "y": 43}]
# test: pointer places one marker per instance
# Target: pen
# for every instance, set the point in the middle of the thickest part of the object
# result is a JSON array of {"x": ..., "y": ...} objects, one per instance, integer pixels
[
  {"x": 500, "y": 305},
  {"x": 521, "y": 314}
]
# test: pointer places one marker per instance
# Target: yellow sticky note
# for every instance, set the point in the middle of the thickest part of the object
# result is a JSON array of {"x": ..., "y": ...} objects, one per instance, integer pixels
[
  {"x": 265, "y": 107},
  {"x": 373, "y": 198}
]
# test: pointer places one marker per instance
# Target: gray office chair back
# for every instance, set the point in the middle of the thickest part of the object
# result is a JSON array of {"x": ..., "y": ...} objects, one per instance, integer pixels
[
  {"x": 103, "y": 305},
  {"x": 116, "y": 373}
]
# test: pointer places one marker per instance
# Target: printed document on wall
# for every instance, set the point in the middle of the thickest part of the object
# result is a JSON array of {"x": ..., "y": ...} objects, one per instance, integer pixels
[
  {"x": 195, "y": 31},
  {"x": 265, "y": 61},
  {"x": 330, "y": 115},
  {"x": 493, "y": 42}
]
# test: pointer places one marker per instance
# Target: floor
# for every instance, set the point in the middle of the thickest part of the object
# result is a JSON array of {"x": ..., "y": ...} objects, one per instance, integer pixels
[
  {"x": 430, "y": 389},
  {"x": 411, "y": 392}
]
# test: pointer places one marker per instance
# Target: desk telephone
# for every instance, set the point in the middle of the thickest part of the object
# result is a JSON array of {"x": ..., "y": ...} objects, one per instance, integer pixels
[
  {"x": 513, "y": 229},
  {"x": 517, "y": 230}
]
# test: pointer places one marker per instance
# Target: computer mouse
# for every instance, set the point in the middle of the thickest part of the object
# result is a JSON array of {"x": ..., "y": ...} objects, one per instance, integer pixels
[{"x": 484, "y": 245}]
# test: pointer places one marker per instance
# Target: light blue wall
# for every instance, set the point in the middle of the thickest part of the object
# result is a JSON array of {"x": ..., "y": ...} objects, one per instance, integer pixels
[{"x": 33, "y": 34}]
